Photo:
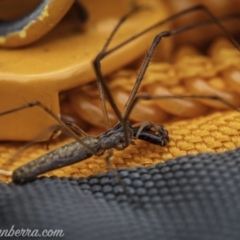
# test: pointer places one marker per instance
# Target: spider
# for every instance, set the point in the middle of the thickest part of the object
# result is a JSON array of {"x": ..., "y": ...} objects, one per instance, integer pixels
[{"x": 123, "y": 133}]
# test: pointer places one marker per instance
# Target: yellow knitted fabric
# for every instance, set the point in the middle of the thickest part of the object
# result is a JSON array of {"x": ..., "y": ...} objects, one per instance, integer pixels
[{"x": 216, "y": 132}]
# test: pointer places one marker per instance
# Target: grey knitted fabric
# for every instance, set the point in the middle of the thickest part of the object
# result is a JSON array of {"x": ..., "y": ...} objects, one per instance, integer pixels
[{"x": 194, "y": 197}]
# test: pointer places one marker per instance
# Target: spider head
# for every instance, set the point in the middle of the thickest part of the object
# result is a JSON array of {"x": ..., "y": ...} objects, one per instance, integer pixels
[{"x": 153, "y": 134}]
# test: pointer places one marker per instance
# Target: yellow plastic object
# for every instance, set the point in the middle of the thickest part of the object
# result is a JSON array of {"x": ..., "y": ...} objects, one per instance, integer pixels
[
  {"x": 217, "y": 73},
  {"x": 52, "y": 13},
  {"x": 62, "y": 60}
]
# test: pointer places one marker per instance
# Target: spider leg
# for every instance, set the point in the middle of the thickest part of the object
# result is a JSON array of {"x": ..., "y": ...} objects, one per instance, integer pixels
[
  {"x": 63, "y": 126},
  {"x": 99, "y": 76},
  {"x": 54, "y": 134},
  {"x": 103, "y": 88},
  {"x": 143, "y": 69},
  {"x": 57, "y": 130},
  {"x": 25, "y": 147},
  {"x": 139, "y": 97}
]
